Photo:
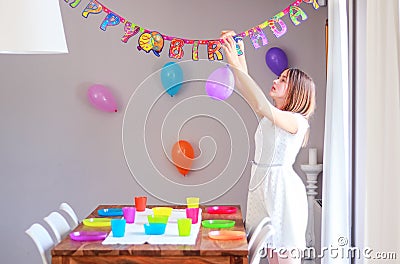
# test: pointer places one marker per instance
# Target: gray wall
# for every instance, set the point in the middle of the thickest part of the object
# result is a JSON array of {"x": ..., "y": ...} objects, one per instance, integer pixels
[{"x": 56, "y": 147}]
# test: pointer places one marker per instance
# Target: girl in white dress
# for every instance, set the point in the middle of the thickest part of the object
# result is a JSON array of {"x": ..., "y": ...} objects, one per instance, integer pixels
[{"x": 275, "y": 190}]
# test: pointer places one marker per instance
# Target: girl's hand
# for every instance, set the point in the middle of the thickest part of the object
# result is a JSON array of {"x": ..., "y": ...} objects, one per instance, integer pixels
[
  {"x": 227, "y": 33},
  {"x": 229, "y": 47}
]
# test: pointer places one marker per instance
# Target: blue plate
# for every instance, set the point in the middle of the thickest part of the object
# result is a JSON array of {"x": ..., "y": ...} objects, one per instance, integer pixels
[{"x": 110, "y": 212}]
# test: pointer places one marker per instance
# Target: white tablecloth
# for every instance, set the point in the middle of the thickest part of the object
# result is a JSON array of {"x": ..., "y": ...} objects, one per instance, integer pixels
[{"x": 134, "y": 233}]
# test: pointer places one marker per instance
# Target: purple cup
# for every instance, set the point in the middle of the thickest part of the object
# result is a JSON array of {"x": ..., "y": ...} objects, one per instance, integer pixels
[
  {"x": 193, "y": 213},
  {"x": 129, "y": 214}
]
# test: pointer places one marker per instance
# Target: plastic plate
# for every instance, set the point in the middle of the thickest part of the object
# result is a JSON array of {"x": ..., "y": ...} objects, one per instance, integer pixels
[
  {"x": 88, "y": 235},
  {"x": 221, "y": 210},
  {"x": 97, "y": 222},
  {"x": 226, "y": 235},
  {"x": 110, "y": 212},
  {"x": 217, "y": 223}
]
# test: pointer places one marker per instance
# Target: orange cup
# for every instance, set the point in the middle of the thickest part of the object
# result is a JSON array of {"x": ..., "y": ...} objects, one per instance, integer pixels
[{"x": 140, "y": 203}]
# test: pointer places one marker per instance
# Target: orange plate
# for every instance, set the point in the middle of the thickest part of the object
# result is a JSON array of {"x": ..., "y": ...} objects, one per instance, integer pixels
[{"x": 226, "y": 235}]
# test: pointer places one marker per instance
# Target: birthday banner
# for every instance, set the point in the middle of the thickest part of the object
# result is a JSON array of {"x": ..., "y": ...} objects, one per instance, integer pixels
[{"x": 150, "y": 40}]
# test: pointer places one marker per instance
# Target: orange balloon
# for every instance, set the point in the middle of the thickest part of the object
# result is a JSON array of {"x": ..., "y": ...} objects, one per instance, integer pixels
[{"x": 182, "y": 156}]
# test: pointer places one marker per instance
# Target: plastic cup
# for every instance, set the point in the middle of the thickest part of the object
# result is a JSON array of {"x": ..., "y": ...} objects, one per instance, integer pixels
[
  {"x": 129, "y": 214},
  {"x": 140, "y": 203},
  {"x": 192, "y": 202},
  {"x": 118, "y": 227},
  {"x": 163, "y": 219},
  {"x": 154, "y": 228},
  {"x": 162, "y": 211},
  {"x": 184, "y": 226},
  {"x": 193, "y": 213}
]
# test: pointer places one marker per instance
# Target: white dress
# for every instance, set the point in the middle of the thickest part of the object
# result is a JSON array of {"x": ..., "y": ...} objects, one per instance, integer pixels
[{"x": 275, "y": 190}]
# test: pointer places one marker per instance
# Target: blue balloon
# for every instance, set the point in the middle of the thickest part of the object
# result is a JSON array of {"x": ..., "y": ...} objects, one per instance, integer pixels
[
  {"x": 276, "y": 60},
  {"x": 172, "y": 77}
]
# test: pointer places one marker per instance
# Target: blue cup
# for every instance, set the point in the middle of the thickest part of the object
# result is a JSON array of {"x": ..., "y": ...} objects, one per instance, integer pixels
[
  {"x": 118, "y": 227},
  {"x": 154, "y": 228}
]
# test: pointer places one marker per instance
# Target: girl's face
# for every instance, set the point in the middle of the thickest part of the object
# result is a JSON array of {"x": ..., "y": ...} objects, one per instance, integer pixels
[{"x": 279, "y": 88}]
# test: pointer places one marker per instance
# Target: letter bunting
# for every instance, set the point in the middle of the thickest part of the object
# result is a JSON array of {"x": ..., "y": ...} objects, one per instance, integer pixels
[{"x": 150, "y": 40}]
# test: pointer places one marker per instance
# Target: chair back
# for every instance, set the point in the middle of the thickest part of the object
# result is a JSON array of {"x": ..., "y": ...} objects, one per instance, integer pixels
[
  {"x": 257, "y": 244},
  {"x": 58, "y": 225},
  {"x": 68, "y": 209},
  {"x": 43, "y": 241}
]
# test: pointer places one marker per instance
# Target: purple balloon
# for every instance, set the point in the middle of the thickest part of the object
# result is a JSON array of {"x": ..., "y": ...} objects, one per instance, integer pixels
[
  {"x": 276, "y": 60},
  {"x": 102, "y": 98},
  {"x": 220, "y": 83}
]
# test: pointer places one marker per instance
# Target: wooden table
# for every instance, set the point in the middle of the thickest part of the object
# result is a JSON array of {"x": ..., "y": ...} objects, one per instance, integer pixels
[{"x": 206, "y": 250}]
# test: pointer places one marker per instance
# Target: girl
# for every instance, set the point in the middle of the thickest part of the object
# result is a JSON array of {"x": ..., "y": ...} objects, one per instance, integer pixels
[{"x": 275, "y": 190}]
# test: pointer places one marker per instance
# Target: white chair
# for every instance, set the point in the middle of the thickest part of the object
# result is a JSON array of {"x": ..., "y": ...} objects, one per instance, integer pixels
[
  {"x": 68, "y": 209},
  {"x": 43, "y": 241},
  {"x": 58, "y": 225},
  {"x": 257, "y": 240}
]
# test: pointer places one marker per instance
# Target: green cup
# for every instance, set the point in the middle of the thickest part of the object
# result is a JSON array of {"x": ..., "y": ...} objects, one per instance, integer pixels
[
  {"x": 184, "y": 226},
  {"x": 163, "y": 219}
]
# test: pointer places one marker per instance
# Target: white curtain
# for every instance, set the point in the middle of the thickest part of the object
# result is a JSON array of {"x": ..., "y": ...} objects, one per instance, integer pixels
[
  {"x": 382, "y": 145},
  {"x": 336, "y": 192}
]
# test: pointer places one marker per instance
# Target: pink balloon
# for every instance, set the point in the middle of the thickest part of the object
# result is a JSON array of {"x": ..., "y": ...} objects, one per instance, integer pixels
[
  {"x": 102, "y": 98},
  {"x": 220, "y": 83}
]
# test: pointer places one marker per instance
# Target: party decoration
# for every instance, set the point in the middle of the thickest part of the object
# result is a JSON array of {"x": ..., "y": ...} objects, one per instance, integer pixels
[
  {"x": 313, "y": 2},
  {"x": 295, "y": 12},
  {"x": 130, "y": 31},
  {"x": 237, "y": 39},
  {"x": 151, "y": 40},
  {"x": 74, "y": 3},
  {"x": 220, "y": 83},
  {"x": 175, "y": 49},
  {"x": 182, "y": 156},
  {"x": 92, "y": 8},
  {"x": 110, "y": 20},
  {"x": 102, "y": 98},
  {"x": 276, "y": 60},
  {"x": 214, "y": 49},
  {"x": 195, "y": 50},
  {"x": 172, "y": 77},
  {"x": 256, "y": 34},
  {"x": 277, "y": 19}
]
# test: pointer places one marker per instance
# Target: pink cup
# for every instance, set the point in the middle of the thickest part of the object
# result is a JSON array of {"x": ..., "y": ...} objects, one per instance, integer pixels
[
  {"x": 129, "y": 214},
  {"x": 193, "y": 213}
]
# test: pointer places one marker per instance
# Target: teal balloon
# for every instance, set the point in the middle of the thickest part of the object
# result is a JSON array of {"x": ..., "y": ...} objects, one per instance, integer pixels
[{"x": 172, "y": 77}]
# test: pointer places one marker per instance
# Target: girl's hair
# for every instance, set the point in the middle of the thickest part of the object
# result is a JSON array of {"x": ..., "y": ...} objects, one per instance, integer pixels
[{"x": 300, "y": 96}]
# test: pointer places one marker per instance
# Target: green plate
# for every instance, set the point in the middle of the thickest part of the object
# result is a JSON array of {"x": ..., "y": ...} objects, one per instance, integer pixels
[
  {"x": 97, "y": 222},
  {"x": 218, "y": 223}
]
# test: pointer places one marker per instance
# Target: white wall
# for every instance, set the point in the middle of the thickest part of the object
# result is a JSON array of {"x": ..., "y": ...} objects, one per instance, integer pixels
[{"x": 56, "y": 147}]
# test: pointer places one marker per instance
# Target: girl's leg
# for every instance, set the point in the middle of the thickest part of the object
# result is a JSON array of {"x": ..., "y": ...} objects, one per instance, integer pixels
[
  {"x": 272, "y": 256},
  {"x": 289, "y": 261}
]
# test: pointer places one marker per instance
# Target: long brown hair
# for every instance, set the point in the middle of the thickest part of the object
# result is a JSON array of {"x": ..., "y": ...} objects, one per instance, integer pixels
[{"x": 300, "y": 96}]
